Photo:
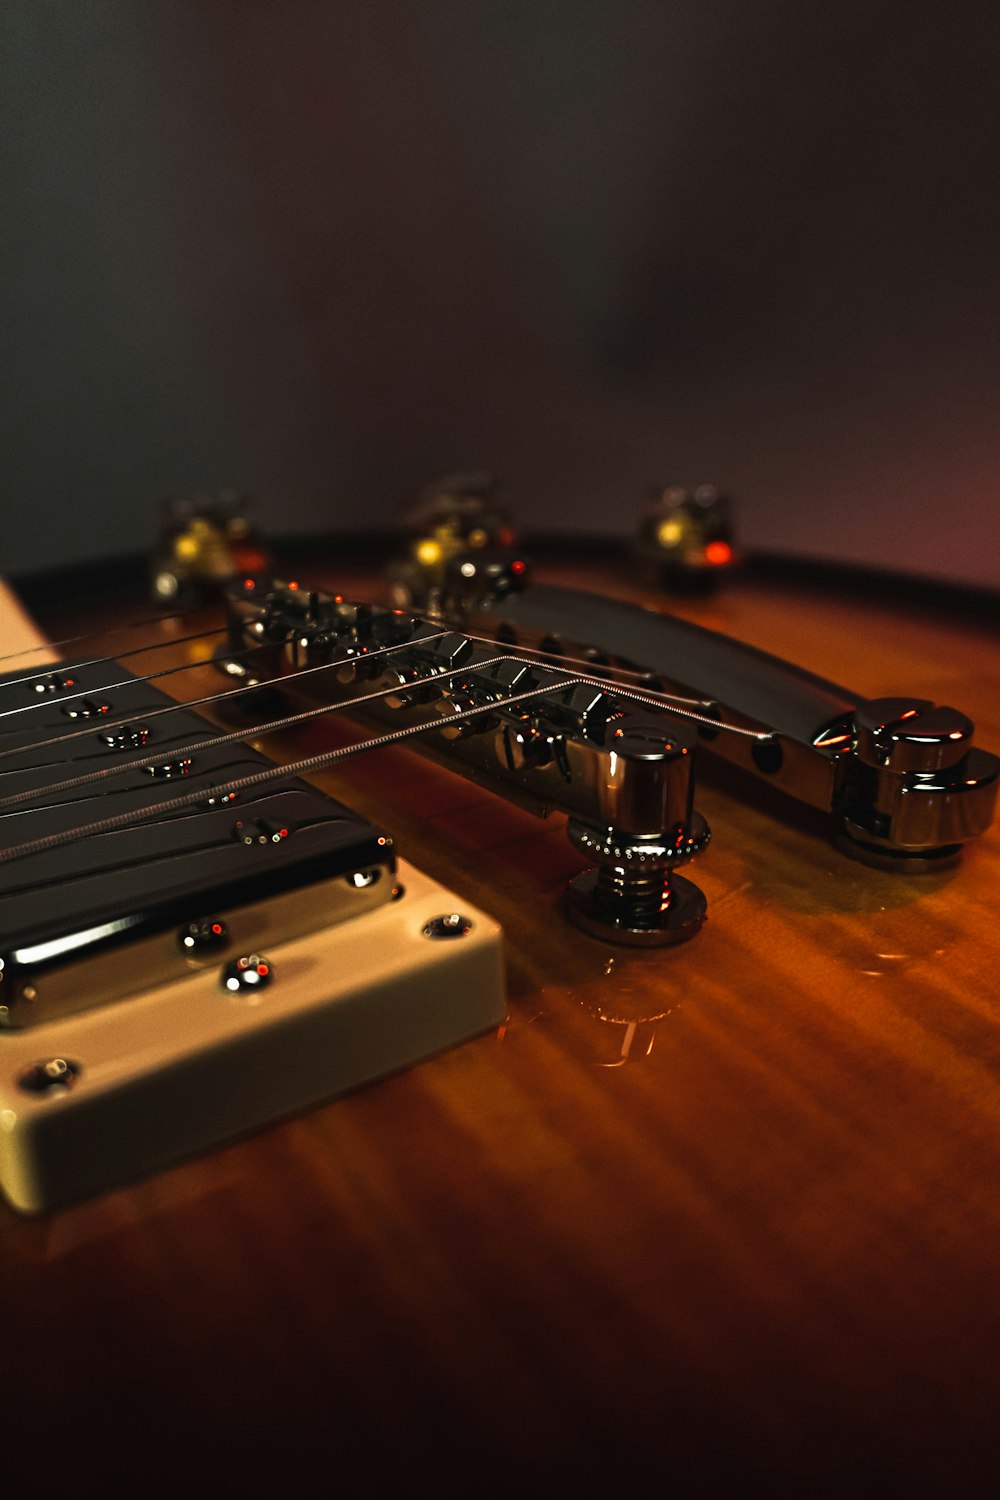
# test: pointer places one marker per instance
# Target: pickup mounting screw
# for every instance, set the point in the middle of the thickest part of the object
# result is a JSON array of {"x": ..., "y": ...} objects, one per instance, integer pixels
[
  {"x": 250, "y": 972},
  {"x": 203, "y": 935},
  {"x": 451, "y": 925},
  {"x": 54, "y": 1072}
]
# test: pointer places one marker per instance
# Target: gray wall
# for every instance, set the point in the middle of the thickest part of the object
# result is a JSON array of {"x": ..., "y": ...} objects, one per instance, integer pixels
[{"x": 327, "y": 251}]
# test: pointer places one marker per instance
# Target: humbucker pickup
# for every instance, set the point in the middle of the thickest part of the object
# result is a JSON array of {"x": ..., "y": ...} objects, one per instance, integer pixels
[
  {"x": 193, "y": 941},
  {"x": 98, "y": 919}
]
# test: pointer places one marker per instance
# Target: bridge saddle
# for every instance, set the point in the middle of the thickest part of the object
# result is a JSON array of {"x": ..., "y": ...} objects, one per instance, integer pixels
[{"x": 547, "y": 737}]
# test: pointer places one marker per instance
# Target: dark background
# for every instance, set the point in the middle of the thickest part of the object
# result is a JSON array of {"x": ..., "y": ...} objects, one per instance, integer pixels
[{"x": 325, "y": 252}]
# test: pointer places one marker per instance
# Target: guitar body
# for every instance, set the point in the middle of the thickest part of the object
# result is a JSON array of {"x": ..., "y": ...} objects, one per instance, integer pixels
[{"x": 708, "y": 1214}]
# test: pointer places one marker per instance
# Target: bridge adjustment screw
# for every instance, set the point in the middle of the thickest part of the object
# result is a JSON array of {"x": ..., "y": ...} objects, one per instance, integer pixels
[{"x": 633, "y": 896}]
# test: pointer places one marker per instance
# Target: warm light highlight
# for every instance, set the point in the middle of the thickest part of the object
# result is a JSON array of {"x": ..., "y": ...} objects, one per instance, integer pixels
[{"x": 669, "y": 533}]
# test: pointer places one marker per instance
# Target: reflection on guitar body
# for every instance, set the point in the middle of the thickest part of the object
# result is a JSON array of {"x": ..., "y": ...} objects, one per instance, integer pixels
[{"x": 727, "y": 1204}]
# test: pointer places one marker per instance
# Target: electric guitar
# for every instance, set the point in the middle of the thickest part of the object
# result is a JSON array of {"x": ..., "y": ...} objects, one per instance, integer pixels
[{"x": 707, "y": 1179}]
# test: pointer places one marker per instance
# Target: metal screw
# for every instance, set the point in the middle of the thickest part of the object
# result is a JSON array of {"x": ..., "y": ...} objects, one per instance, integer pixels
[
  {"x": 205, "y": 934},
  {"x": 451, "y": 925},
  {"x": 55, "y": 1071},
  {"x": 247, "y": 973}
]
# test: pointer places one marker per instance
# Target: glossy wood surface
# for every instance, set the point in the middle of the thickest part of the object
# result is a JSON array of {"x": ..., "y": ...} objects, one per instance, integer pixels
[{"x": 697, "y": 1218}]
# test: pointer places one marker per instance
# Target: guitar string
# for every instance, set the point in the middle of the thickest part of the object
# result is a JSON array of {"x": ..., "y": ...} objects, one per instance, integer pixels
[
  {"x": 91, "y": 635},
  {"x": 110, "y": 687},
  {"x": 272, "y": 726},
  {"x": 203, "y": 634},
  {"x": 326, "y": 758},
  {"x": 258, "y": 778},
  {"x": 207, "y": 701},
  {"x": 649, "y": 698},
  {"x": 182, "y": 640},
  {"x": 545, "y": 656},
  {"x": 120, "y": 656},
  {"x": 172, "y": 708},
  {"x": 97, "y": 661}
]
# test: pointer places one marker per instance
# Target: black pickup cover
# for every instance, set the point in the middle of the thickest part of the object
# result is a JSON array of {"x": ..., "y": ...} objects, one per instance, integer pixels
[{"x": 149, "y": 877}]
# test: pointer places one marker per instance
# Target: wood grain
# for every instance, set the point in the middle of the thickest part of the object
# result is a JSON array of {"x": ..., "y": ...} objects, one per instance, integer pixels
[{"x": 701, "y": 1217}]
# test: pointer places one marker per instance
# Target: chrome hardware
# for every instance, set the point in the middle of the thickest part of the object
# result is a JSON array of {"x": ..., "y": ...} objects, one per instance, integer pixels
[
  {"x": 459, "y": 702},
  {"x": 633, "y": 895},
  {"x": 531, "y": 730},
  {"x": 452, "y": 925},
  {"x": 55, "y": 1073},
  {"x": 221, "y": 799},
  {"x": 203, "y": 936},
  {"x": 169, "y": 770},
  {"x": 402, "y": 678},
  {"x": 86, "y": 708},
  {"x": 127, "y": 737},
  {"x": 247, "y": 974},
  {"x": 910, "y": 735},
  {"x": 914, "y": 788},
  {"x": 54, "y": 683},
  {"x": 902, "y": 779},
  {"x": 254, "y": 831},
  {"x": 523, "y": 746},
  {"x": 478, "y": 582}
]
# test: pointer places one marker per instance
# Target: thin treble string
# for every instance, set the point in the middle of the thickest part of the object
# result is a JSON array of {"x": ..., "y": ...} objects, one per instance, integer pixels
[
  {"x": 624, "y": 671},
  {"x": 260, "y": 778},
  {"x": 536, "y": 652},
  {"x": 97, "y": 661},
  {"x": 682, "y": 707},
  {"x": 656, "y": 697},
  {"x": 173, "y": 708},
  {"x": 257, "y": 732},
  {"x": 650, "y": 699},
  {"x": 109, "y": 687},
  {"x": 665, "y": 701},
  {"x": 674, "y": 702},
  {"x": 671, "y": 698}
]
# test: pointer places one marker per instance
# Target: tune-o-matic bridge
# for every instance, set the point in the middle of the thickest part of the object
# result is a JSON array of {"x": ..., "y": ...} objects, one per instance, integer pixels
[
  {"x": 550, "y": 739},
  {"x": 901, "y": 776}
]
